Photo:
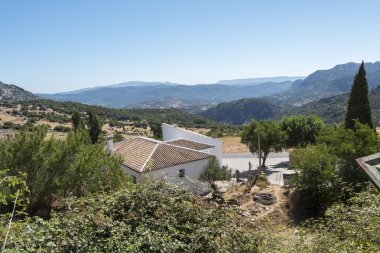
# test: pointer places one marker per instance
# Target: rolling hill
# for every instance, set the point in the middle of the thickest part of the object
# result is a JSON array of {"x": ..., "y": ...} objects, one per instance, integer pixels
[
  {"x": 243, "y": 111},
  {"x": 131, "y": 96},
  {"x": 331, "y": 109},
  {"x": 12, "y": 92},
  {"x": 326, "y": 83}
]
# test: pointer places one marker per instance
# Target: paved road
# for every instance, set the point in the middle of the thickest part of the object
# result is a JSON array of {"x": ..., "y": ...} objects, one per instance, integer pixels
[
  {"x": 249, "y": 155},
  {"x": 277, "y": 165}
]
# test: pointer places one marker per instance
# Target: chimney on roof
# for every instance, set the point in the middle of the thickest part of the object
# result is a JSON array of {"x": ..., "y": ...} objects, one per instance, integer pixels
[
  {"x": 109, "y": 144},
  {"x": 175, "y": 125}
]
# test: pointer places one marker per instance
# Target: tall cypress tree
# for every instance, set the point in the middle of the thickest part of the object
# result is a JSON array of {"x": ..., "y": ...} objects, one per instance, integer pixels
[
  {"x": 77, "y": 120},
  {"x": 358, "y": 104},
  {"x": 94, "y": 127}
]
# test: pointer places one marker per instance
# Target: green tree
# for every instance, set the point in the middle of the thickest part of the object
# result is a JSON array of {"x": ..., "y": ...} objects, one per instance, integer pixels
[
  {"x": 358, "y": 104},
  {"x": 94, "y": 127},
  {"x": 77, "y": 120},
  {"x": 213, "y": 172},
  {"x": 348, "y": 227},
  {"x": 302, "y": 129},
  {"x": 59, "y": 168},
  {"x": 347, "y": 145},
  {"x": 317, "y": 181},
  {"x": 156, "y": 129},
  {"x": 272, "y": 137},
  {"x": 149, "y": 217}
]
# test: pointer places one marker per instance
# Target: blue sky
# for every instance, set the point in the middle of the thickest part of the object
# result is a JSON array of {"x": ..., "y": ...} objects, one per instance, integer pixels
[{"x": 51, "y": 46}]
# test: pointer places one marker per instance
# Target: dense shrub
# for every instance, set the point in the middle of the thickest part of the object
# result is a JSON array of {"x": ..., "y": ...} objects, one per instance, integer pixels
[
  {"x": 149, "y": 217},
  {"x": 57, "y": 169},
  {"x": 353, "y": 227},
  {"x": 63, "y": 129}
]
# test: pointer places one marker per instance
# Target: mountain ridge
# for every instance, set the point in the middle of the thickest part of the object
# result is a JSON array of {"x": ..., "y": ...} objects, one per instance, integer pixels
[{"x": 12, "y": 92}]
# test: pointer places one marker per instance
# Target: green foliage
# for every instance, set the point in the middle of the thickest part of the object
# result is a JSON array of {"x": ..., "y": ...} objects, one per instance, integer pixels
[
  {"x": 347, "y": 145},
  {"x": 11, "y": 125},
  {"x": 94, "y": 127},
  {"x": 220, "y": 131},
  {"x": 77, "y": 120},
  {"x": 302, "y": 130},
  {"x": 117, "y": 138},
  {"x": 10, "y": 188},
  {"x": 261, "y": 181},
  {"x": 213, "y": 172},
  {"x": 148, "y": 217},
  {"x": 63, "y": 129},
  {"x": 242, "y": 111},
  {"x": 115, "y": 123},
  {"x": 317, "y": 180},
  {"x": 358, "y": 104},
  {"x": 58, "y": 168},
  {"x": 352, "y": 227},
  {"x": 272, "y": 137},
  {"x": 135, "y": 115},
  {"x": 156, "y": 128}
]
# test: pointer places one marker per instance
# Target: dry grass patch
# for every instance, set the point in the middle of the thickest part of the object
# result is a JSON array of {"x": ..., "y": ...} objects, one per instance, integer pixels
[{"x": 232, "y": 145}]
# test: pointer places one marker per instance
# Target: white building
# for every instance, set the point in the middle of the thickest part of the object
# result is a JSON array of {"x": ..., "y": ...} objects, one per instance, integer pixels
[
  {"x": 174, "y": 133},
  {"x": 176, "y": 162}
]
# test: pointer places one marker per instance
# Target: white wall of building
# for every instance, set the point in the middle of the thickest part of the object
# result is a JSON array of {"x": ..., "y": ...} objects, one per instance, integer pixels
[
  {"x": 131, "y": 172},
  {"x": 192, "y": 170},
  {"x": 171, "y": 132}
]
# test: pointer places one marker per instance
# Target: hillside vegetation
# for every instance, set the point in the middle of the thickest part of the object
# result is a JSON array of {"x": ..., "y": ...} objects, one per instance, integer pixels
[
  {"x": 243, "y": 111},
  {"x": 326, "y": 83},
  {"x": 331, "y": 109},
  {"x": 148, "y": 115},
  {"x": 131, "y": 96},
  {"x": 12, "y": 92}
]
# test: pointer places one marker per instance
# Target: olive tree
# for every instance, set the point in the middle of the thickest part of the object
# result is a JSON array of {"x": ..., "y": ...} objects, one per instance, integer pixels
[
  {"x": 213, "y": 172},
  {"x": 272, "y": 138}
]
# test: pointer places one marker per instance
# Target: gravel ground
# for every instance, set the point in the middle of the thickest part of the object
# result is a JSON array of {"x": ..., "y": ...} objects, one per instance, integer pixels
[{"x": 277, "y": 165}]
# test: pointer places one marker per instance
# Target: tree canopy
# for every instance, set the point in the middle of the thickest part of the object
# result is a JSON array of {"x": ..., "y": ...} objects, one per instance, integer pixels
[
  {"x": 77, "y": 120},
  {"x": 358, "y": 107},
  {"x": 272, "y": 137},
  {"x": 213, "y": 172},
  {"x": 59, "y": 168},
  {"x": 94, "y": 127},
  {"x": 349, "y": 144},
  {"x": 302, "y": 129}
]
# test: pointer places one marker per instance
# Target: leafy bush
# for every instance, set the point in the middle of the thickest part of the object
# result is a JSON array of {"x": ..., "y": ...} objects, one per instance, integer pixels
[
  {"x": 63, "y": 129},
  {"x": 59, "y": 168},
  {"x": 148, "y": 217},
  {"x": 302, "y": 130},
  {"x": 353, "y": 227},
  {"x": 317, "y": 181},
  {"x": 347, "y": 145}
]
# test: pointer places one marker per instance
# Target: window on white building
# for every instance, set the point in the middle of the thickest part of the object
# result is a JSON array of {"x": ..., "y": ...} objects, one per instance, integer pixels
[{"x": 181, "y": 173}]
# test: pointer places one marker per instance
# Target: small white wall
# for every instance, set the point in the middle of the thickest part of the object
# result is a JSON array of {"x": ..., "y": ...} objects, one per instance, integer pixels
[
  {"x": 192, "y": 170},
  {"x": 131, "y": 173},
  {"x": 170, "y": 132}
]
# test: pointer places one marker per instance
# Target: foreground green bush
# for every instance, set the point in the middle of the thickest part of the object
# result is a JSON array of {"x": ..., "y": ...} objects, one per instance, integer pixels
[
  {"x": 354, "y": 227},
  {"x": 149, "y": 217}
]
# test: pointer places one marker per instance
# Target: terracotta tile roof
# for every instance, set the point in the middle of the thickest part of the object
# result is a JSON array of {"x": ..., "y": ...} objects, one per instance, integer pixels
[
  {"x": 190, "y": 144},
  {"x": 139, "y": 153},
  {"x": 134, "y": 152}
]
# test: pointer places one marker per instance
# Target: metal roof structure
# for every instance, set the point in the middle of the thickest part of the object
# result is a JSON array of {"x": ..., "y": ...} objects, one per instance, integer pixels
[{"x": 371, "y": 166}]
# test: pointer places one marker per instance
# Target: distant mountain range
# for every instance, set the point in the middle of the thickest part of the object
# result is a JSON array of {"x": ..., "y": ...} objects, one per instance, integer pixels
[
  {"x": 331, "y": 109},
  {"x": 150, "y": 95},
  {"x": 14, "y": 93},
  {"x": 280, "y": 90},
  {"x": 255, "y": 81},
  {"x": 323, "y": 92},
  {"x": 326, "y": 83},
  {"x": 243, "y": 111}
]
